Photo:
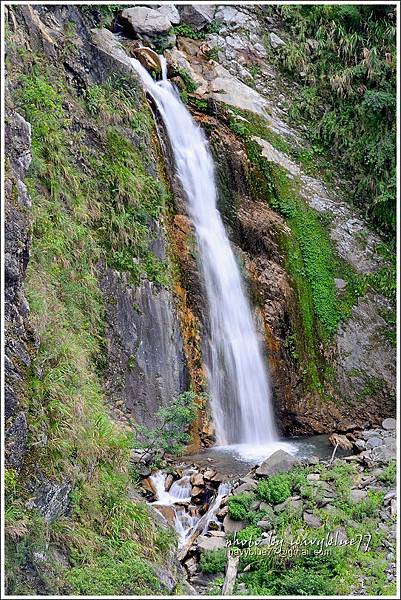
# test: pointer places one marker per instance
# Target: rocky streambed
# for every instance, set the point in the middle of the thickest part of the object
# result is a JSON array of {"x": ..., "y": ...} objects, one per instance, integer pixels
[{"x": 340, "y": 497}]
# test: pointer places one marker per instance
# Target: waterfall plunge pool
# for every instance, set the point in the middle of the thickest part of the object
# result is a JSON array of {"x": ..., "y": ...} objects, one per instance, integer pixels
[{"x": 238, "y": 459}]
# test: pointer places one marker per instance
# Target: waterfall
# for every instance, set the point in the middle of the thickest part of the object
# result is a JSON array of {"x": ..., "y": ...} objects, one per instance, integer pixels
[{"x": 238, "y": 382}]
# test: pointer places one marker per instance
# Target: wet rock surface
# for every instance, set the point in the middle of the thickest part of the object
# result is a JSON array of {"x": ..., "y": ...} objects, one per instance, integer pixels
[
  {"x": 361, "y": 348},
  {"x": 144, "y": 347}
]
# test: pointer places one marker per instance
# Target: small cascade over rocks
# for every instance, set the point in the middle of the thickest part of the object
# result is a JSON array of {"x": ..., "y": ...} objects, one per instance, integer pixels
[{"x": 186, "y": 496}]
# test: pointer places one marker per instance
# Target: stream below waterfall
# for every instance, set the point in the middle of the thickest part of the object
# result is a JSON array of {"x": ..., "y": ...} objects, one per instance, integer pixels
[
  {"x": 218, "y": 469},
  {"x": 187, "y": 516}
]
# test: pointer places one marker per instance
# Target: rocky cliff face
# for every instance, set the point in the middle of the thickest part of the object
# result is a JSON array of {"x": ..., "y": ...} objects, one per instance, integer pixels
[
  {"x": 146, "y": 366},
  {"x": 104, "y": 304},
  {"x": 326, "y": 322},
  {"x": 93, "y": 337},
  {"x": 19, "y": 338}
]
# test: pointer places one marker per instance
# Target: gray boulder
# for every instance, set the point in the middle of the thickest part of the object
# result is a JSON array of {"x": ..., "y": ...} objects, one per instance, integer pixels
[
  {"x": 389, "y": 424},
  {"x": 294, "y": 505},
  {"x": 312, "y": 520},
  {"x": 360, "y": 444},
  {"x": 368, "y": 433},
  {"x": 196, "y": 16},
  {"x": 275, "y": 41},
  {"x": 146, "y": 21},
  {"x": 170, "y": 12},
  {"x": 245, "y": 487},
  {"x": 374, "y": 442},
  {"x": 210, "y": 543},
  {"x": 386, "y": 452},
  {"x": 358, "y": 495},
  {"x": 231, "y": 526},
  {"x": 264, "y": 525},
  {"x": 108, "y": 43},
  {"x": 279, "y": 462}
]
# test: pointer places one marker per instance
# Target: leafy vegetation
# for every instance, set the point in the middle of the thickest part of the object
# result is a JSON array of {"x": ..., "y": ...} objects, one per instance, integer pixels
[
  {"x": 275, "y": 489},
  {"x": 170, "y": 435},
  {"x": 344, "y": 58},
  {"x": 103, "y": 15},
  {"x": 389, "y": 474},
  {"x": 213, "y": 561},
  {"x": 304, "y": 564},
  {"x": 184, "y": 30},
  {"x": 188, "y": 31},
  {"x": 93, "y": 201},
  {"x": 239, "y": 505}
]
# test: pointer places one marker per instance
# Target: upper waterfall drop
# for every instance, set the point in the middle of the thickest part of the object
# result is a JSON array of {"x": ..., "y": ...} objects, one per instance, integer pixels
[{"x": 238, "y": 381}]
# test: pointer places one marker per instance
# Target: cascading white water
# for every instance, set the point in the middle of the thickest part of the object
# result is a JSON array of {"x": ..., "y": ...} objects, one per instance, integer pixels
[
  {"x": 239, "y": 386},
  {"x": 179, "y": 497}
]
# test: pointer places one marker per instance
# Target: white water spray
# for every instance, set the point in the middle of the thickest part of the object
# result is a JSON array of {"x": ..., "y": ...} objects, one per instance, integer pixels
[
  {"x": 186, "y": 516},
  {"x": 238, "y": 382}
]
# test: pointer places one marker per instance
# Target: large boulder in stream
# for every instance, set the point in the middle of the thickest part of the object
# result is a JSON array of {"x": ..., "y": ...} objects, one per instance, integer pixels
[
  {"x": 279, "y": 462},
  {"x": 148, "y": 59}
]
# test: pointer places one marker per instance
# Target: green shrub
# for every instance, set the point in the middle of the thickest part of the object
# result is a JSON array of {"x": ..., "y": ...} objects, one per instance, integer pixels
[
  {"x": 274, "y": 489},
  {"x": 238, "y": 506},
  {"x": 302, "y": 582},
  {"x": 250, "y": 533},
  {"x": 115, "y": 577},
  {"x": 216, "y": 586},
  {"x": 389, "y": 474},
  {"x": 369, "y": 506},
  {"x": 196, "y": 34},
  {"x": 188, "y": 31},
  {"x": 170, "y": 435},
  {"x": 213, "y": 561}
]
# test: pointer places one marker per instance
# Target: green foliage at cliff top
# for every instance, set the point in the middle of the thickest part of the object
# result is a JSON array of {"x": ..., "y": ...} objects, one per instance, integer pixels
[{"x": 344, "y": 58}]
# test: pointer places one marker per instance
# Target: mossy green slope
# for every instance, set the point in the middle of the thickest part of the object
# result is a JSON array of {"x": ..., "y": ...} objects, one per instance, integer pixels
[
  {"x": 311, "y": 259},
  {"x": 95, "y": 193},
  {"x": 344, "y": 60}
]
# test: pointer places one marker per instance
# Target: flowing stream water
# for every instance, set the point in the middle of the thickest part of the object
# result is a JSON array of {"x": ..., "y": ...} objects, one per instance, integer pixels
[
  {"x": 186, "y": 516},
  {"x": 238, "y": 381}
]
